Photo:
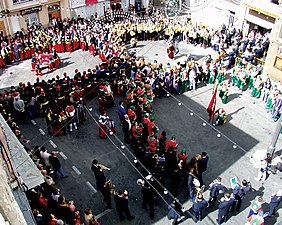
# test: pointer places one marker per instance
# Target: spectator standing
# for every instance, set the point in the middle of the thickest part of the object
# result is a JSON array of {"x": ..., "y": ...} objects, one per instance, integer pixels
[
  {"x": 173, "y": 213},
  {"x": 19, "y": 107},
  {"x": 45, "y": 156},
  {"x": 224, "y": 207},
  {"x": 202, "y": 166},
  {"x": 239, "y": 193},
  {"x": 126, "y": 127},
  {"x": 56, "y": 165},
  {"x": 199, "y": 203},
  {"x": 121, "y": 112},
  {"x": 149, "y": 197},
  {"x": 87, "y": 216},
  {"x": 121, "y": 200},
  {"x": 215, "y": 188},
  {"x": 276, "y": 199},
  {"x": 262, "y": 173}
]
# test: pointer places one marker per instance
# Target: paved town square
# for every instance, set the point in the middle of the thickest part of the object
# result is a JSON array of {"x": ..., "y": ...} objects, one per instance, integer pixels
[{"x": 234, "y": 149}]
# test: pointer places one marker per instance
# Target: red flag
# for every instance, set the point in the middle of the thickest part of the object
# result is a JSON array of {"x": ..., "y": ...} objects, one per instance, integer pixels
[{"x": 211, "y": 107}]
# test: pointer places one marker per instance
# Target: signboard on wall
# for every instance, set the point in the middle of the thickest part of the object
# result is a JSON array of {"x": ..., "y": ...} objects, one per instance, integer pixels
[
  {"x": 76, "y": 3},
  {"x": 278, "y": 63},
  {"x": 31, "y": 10}
]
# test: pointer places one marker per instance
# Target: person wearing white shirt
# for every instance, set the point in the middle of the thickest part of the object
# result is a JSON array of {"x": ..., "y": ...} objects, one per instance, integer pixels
[{"x": 45, "y": 156}]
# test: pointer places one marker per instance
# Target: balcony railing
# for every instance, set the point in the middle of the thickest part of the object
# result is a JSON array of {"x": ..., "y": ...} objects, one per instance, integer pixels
[{"x": 15, "y": 2}]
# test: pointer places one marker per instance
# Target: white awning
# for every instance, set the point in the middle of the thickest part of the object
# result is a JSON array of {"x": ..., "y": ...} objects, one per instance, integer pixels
[
  {"x": 28, "y": 171},
  {"x": 259, "y": 21}
]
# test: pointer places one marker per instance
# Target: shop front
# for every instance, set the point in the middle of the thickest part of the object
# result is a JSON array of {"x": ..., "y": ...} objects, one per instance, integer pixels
[
  {"x": 31, "y": 15},
  {"x": 2, "y": 28},
  {"x": 54, "y": 11}
]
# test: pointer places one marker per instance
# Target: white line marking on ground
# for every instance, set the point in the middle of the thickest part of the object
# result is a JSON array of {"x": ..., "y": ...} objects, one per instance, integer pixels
[
  {"x": 33, "y": 122},
  {"x": 91, "y": 187},
  {"x": 63, "y": 155},
  {"x": 76, "y": 170},
  {"x": 103, "y": 213},
  {"x": 41, "y": 131},
  {"x": 53, "y": 144}
]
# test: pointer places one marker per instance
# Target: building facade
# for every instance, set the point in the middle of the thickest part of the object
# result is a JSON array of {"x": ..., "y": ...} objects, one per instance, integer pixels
[
  {"x": 273, "y": 62},
  {"x": 17, "y": 14}
]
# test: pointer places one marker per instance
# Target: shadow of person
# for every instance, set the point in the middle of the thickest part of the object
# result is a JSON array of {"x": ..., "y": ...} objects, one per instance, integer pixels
[
  {"x": 245, "y": 202},
  {"x": 229, "y": 116},
  {"x": 273, "y": 219},
  {"x": 233, "y": 96}
]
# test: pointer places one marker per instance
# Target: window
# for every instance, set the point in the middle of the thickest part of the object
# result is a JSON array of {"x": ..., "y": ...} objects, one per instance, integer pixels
[
  {"x": 32, "y": 18},
  {"x": 21, "y": 1}
]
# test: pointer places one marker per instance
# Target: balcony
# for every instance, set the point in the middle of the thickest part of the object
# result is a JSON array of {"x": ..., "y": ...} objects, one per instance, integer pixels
[{"x": 15, "y": 2}]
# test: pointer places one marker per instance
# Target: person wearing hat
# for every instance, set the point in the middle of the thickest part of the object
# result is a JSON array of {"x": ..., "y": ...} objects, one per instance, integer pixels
[
  {"x": 56, "y": 165},
  {"x": 137, "y": 131},
  {"x": 182, "y": 157},
  {"x": 152, "y": 127},
  {"x": 171, "y": 143},
  {"x": 152, "y": 143},
  {"x": 131, "y": 113}
]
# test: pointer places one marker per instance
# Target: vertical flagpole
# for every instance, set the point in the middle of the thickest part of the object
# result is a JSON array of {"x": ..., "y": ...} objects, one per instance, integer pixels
[{"x": 272, "y": 147}]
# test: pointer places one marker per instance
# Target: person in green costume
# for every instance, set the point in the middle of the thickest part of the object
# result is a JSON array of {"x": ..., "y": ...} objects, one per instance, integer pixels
[
  {"x": 184, "y": 80},
  {"x": 274, "y": 92},
  {"x": 256, "y": 92},
  {"x": 220, "y": 117},
  {"x": 223, "y": 91}
]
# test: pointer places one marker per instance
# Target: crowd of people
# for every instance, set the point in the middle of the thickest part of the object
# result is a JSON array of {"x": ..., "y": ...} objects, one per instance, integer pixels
[{"x": 61, "y": 101}]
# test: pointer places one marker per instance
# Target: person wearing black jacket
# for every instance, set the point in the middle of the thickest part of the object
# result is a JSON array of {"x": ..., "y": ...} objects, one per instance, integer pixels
[
  {"x": 215, "y": 188},
  {"x": 126, "y": 127},
  {"x": 56, "y": 165},
  {"x": 149, "y": 196},
  {"x": 98, "y": 169},
  {"x": 121, "y": 200},
  {"x": 202, "y": 166},
  {"x": 199, "y": 203},
  {"x": 224, "y": 207},
  {"x": 239, "y": 193}
]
